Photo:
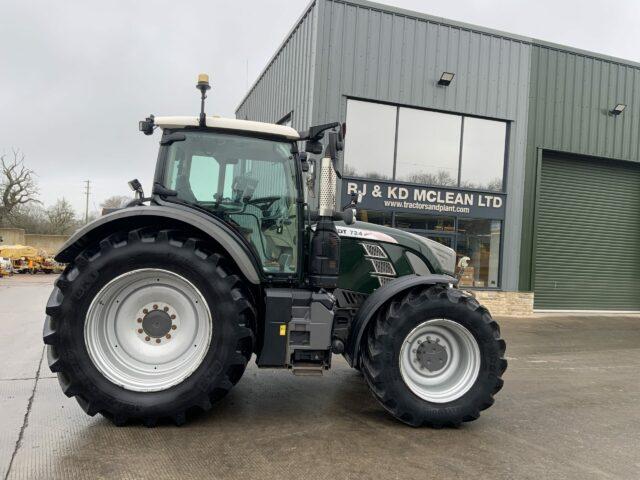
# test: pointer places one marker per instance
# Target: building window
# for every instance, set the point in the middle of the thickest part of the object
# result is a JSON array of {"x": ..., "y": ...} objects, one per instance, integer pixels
[
  {"x": 386, "y": 142},
  {"x": 373, "y": 216},
  {"x": 483, "y": 151},
  {"x": 428, "y": 147},
  {"x": 416, "y": 221},
  {"x": 480, "y": 241},
  {"x": 370, "y": 140}
]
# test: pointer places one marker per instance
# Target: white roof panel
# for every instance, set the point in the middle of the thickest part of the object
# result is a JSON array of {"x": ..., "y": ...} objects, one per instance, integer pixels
[{"x": 229, "y": 124}]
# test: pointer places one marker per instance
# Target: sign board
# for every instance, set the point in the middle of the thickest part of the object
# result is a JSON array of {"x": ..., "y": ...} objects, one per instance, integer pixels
[{"x": 393, "y": 196}]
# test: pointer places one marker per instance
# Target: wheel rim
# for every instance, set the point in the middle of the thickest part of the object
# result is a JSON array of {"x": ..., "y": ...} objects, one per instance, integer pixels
[
  {"x": 147, "y": 330},
  {"x": 439, "y": 360}
]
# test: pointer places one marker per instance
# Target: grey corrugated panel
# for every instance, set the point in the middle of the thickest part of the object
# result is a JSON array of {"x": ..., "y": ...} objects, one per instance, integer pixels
[
  {"x": 286, "y": 84},
  {"x": 587, "y": 234},
  {"x": 405, "y": 56}
]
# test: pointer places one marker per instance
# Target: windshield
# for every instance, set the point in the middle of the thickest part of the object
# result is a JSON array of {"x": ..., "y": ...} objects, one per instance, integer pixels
[{"x": 248, "y": 182}]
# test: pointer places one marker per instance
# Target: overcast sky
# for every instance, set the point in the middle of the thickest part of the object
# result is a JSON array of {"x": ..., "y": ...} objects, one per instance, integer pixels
[{"x": 76, "y": 76}]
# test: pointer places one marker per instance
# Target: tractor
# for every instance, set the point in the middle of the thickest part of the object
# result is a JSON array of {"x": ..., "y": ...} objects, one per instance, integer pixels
[{"x": 241, "y": 250}]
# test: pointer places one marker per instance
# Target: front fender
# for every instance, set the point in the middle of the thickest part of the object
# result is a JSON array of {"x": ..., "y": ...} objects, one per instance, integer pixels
[
  {"x": 133, "y": 217},
  {"x": 376, "y": 300}
]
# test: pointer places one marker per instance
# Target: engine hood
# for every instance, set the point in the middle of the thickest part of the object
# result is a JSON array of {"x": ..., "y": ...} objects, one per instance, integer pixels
[{"x": 441, "y": 257}]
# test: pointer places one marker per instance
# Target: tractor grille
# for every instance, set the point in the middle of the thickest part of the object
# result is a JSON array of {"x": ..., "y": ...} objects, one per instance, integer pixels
[
  {"x": 374, "y": 251},
  {"x": 384, "y": 280},
  {"x": 382, "y": 267}
]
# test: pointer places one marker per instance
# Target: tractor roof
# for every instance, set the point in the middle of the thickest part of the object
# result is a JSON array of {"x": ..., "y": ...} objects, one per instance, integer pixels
[{"x": 229, "y": 124}]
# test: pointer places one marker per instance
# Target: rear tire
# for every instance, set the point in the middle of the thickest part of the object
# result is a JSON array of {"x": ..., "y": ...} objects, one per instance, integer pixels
[
  {"x": 452, "y": 376},
  {"x": 81, "y": 373}
]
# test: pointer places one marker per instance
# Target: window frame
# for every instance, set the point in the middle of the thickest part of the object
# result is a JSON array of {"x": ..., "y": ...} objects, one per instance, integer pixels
[
  {"x": 398, "y": 106},
  {"x": 275, "y": 277}
]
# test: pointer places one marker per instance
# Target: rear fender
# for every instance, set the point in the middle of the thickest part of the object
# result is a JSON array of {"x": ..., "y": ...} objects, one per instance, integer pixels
[
  {"x": 377, "y": 299},
  {"x": 134, "y": 217}
]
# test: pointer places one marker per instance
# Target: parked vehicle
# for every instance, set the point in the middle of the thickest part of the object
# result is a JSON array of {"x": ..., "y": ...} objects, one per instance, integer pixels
[
  {"x": 49, "y": 265},
  {"x": 6, "y": 268},
  {"x": 164, "y": 302}
]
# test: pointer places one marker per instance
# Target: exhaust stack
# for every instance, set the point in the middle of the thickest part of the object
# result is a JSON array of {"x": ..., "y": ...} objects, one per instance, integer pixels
[{"x": 327, "y": 201}]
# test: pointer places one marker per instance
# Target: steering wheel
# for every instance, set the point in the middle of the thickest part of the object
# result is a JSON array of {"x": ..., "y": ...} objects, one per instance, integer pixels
[{"x": 263, "y": 203}]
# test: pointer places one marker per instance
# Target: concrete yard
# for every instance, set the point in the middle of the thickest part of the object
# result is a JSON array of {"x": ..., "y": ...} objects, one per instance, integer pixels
[{"x": 570, "y": 409}]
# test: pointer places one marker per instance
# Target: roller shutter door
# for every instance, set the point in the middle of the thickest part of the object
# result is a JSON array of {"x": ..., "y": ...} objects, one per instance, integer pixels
[{"x": 587, "y": 243}]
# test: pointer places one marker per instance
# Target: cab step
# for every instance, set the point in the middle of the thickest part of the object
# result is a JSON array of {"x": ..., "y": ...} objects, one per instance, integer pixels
[{"x": 307, "y": 369}]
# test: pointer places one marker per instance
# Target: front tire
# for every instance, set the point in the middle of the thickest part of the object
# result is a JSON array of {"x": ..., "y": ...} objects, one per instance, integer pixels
[
  {"x": 148, "y": 325},
  {"x": 434, "y": 356}
]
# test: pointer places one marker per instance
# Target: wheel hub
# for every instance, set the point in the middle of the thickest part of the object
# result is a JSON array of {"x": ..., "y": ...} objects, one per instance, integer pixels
[
  {"x": 431, "y": 355},
  {"x": 148, "y": 330},
  {"x": 156, "y": 323},
  {"x": 439, "y": 360}
]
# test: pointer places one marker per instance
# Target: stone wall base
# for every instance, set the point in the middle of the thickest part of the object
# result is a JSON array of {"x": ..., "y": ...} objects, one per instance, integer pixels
[{"x": 518, "y": 304}]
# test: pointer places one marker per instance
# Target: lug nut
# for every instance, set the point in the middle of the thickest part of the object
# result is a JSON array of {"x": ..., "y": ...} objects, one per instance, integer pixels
[
  {"x": 139, "y": 320},
  {"x": 173, "y": 317},
  {"x": 168, "y": 336},
  {"x": 166, "y": 309},
  {"x": 158, "y": 340},
  {"x": 155, "y": 307},
  {"x": 140, "y": 330},
  {"x": 145, "y": 311},
  {"x": 173, "y": 327},
  {"x": 147, "y": 338}
]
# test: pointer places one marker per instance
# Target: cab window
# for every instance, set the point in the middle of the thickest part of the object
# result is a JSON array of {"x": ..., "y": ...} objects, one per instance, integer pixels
[{"x": 248, "y": 182}]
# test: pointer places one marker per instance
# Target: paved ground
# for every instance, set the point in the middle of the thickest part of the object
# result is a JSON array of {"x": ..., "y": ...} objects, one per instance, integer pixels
[{"x": 570, "y": 409}]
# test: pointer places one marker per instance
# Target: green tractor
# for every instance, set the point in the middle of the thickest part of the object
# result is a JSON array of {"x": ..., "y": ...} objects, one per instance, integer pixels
[{"x": 163, "y": 303}]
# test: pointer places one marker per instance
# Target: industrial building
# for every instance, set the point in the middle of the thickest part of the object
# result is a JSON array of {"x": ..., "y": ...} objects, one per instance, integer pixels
[{"x": 518, "y": 153}]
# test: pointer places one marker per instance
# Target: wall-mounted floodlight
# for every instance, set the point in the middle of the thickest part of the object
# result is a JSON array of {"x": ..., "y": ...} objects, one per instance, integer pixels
[
  {"x": 446, "y": 78},
  {"x": 618, "y": 109}
]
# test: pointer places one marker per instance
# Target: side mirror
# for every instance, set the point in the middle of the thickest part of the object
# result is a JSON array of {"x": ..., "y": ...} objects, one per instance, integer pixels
[
  {"x": 136, "y": 187},
  {"x": 313, "y": 146},
  {"x": 349, "y": 216}
]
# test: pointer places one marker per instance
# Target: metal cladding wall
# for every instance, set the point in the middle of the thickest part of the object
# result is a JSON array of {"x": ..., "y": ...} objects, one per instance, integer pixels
[
  {"x": 555, "y": 98},
  {"x": 286, "y": 84},
  {"x": 381, "y": 53},
  {"x": 571, "y": 95}
]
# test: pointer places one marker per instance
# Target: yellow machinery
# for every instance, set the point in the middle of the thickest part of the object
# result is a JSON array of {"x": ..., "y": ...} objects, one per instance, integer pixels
[{"x": 24, "y": 259}]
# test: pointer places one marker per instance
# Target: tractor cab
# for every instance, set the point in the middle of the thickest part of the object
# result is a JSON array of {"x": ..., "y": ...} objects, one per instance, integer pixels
[
  {"x": 246, "y": 174},
  {"x": 249, "y": 175}
]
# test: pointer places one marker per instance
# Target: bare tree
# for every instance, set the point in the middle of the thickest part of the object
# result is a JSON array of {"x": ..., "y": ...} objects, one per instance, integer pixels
[
  {"x": 17, "y": 184},
  {"x": 116, "y": 201},
  {"x": 62, "y": 217},
  {"x": 32, "y": 217}
]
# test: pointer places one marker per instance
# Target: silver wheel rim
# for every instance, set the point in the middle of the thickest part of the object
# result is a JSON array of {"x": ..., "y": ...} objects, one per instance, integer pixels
[
  {"x": 148, "y": 330},
  {"x": 439, "y": 360}
]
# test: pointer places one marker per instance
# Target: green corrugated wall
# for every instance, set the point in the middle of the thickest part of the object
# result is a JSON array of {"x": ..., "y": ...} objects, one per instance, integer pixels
[{"x": 570, "y": 97}]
